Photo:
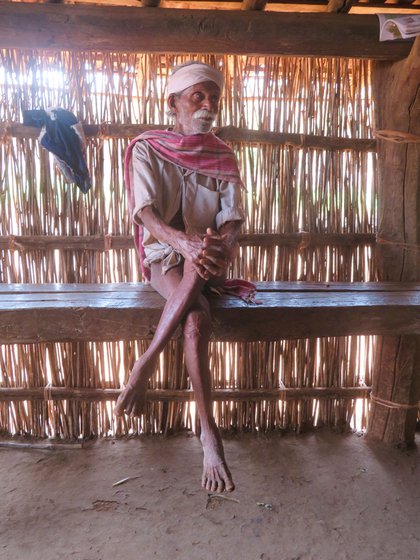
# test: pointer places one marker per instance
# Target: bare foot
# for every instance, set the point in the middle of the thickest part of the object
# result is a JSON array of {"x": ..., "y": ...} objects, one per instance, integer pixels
[
  {"x": 132, "y": 399},
  {"x": 216, "y": 473}
]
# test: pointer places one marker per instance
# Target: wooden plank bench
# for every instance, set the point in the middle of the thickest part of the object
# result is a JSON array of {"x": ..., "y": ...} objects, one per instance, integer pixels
[{"x": 287, "y": 310}]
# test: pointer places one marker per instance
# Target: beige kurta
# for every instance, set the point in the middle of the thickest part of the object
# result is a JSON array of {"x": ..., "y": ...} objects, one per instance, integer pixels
[{"x": 204, "y": 201}]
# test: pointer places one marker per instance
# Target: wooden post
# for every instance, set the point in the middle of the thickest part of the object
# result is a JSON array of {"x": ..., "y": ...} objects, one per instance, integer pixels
[{"x": 396, "y": 383}]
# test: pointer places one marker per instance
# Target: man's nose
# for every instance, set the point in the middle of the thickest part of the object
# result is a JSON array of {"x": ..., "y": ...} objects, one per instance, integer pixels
[{"x": 208, "y": 104}]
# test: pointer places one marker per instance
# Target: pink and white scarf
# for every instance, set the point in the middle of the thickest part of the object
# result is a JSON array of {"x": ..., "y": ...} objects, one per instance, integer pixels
[{"x": 204, "y": 153}]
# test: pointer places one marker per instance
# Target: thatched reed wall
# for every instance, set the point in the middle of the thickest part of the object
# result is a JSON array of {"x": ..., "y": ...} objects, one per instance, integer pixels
[{"x": 290, "y": 188}]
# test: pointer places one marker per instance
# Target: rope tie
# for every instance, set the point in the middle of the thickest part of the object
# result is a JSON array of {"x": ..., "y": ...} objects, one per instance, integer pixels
[
  {"x": 300, "y": 143},
  {"x": 103, "y": 133},
  {"x": 393, "y": 405},
  {"x": 108, "y": 242},
  {"x": 282, "y": 388},
  {"x": 305, "y": 240},
  {"x": 397, "y": 136},
  {"x": 302, "y": 138},
  {"x": 4, "y": 131},
  {"x": 48, "y": 392},
  {"x": 406, "y": 246},
  {"x": 14, "y": 244}
]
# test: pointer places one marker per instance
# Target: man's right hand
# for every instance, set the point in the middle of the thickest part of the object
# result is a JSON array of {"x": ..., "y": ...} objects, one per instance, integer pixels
[
  {"x": 209, "y": 255},
  {"x": 216, "y": 255},
  {"x": 189, "y": 246}
]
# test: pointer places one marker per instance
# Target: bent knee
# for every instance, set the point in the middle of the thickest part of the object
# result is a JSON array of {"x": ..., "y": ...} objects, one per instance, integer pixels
[{"x": 197, "y": 323}]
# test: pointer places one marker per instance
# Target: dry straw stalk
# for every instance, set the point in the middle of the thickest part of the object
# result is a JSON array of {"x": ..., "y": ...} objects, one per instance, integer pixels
[{"x": 295, "y": 182}]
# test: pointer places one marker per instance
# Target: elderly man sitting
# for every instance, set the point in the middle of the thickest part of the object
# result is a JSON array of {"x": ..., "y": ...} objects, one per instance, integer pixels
[{"x": 185, "y": 189}]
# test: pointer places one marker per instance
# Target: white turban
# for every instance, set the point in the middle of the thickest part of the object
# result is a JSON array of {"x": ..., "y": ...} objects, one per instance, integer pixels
[{"x": 192, "y": 73}]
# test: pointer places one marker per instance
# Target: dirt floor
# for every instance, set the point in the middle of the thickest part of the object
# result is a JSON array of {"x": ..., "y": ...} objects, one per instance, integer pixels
[{"x": 321, "y": 496}]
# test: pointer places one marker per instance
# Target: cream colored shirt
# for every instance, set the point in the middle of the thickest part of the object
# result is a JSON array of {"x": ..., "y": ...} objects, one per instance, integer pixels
[{"x": 204, "y": 201}]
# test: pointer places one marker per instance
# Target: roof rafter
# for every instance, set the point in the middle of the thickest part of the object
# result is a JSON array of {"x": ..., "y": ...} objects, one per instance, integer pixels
[{"x": 109, "y": 28}]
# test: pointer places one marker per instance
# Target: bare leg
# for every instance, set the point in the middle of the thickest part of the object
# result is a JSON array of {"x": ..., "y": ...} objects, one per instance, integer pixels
[
  {"x": 197, "y": 326},
  {"x": 181, "y": 290}
]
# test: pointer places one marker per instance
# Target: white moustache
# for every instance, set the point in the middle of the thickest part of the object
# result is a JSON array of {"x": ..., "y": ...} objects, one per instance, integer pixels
[{"x": 204, "y": 114}]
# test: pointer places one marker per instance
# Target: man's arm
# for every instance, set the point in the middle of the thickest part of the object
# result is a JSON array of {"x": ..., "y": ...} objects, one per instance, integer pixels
[{"x": 223, "y": 243}]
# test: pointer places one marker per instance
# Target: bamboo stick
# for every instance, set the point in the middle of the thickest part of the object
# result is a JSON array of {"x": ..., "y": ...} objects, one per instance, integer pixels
[
  {"x": 40, "y": 446},
  {"x": 179, "y": 395},
  {"x": 125, "y": 242},
  {"x": 226, "y": 133}
]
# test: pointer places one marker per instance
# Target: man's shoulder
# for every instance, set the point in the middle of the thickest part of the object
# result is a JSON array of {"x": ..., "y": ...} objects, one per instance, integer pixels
[
  {"x": 143, "y": 151},
  {"x": 142, "y": 147}
]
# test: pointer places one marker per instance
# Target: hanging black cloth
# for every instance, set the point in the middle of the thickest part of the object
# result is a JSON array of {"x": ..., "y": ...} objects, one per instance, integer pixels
[{"x": 62, "y": 135}]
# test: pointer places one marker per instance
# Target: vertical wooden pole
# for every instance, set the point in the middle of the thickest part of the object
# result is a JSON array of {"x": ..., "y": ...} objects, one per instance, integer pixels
[{"x": 396, "y": 383}]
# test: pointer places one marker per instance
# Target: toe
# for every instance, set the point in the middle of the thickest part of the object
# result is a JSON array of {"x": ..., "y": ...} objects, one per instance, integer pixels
[
  {"x": 129, "y": 409},
  {"x": 119, "y": 408},
  {"x": 230, "y": 487},
  {"x": 117, "y": 411},
  {"x": 135, "y": 413}
]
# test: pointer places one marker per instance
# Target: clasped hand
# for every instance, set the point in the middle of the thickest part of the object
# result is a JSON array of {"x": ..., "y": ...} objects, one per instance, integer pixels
[{"x": 209, "y": 254}]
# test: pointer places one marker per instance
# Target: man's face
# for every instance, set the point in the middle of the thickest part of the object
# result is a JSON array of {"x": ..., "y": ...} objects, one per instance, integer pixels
[{"x": 196, "y": 108}]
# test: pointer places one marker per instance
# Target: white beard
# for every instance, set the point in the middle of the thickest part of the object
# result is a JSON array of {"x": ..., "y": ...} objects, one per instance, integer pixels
[{"x": 200, "y": 125}]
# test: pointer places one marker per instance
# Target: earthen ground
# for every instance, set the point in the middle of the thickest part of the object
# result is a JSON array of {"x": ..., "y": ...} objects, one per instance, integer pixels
[{"x": 319, "y": 496}]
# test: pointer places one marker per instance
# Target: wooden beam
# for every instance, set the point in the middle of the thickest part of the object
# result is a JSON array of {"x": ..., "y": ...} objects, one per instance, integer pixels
[
  {"x": 59, "y": 313},
  {"x": 227, "y": 133},
  {"x": 300, "y": 240},
  {"x": 109, "y": 28},
  {"x": 358, "y": 7},
  {"x": 396, "y": 382},
  {"x": 235, "y": 134},
  {"x": 277, "y": 6},
  {"x": 184, "y": 395}
]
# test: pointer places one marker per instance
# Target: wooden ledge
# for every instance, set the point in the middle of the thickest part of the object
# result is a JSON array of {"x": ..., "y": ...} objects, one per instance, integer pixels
[{"x": 287, "y": 310}]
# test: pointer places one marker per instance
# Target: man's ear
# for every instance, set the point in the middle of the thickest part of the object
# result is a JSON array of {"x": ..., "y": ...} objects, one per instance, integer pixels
[{"x": 172, "y": 102}]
